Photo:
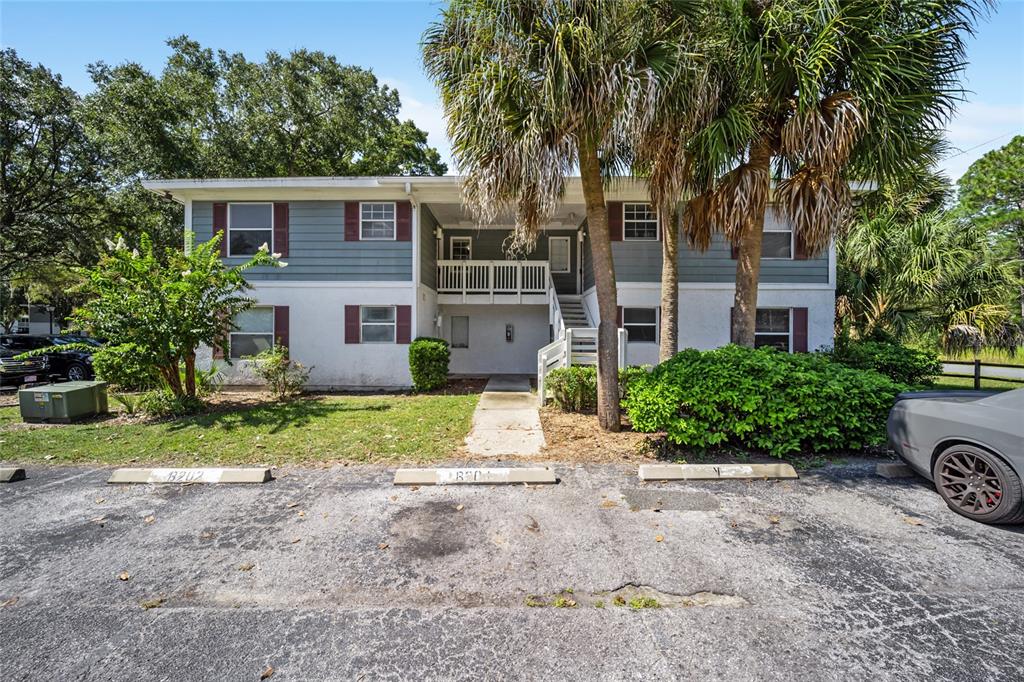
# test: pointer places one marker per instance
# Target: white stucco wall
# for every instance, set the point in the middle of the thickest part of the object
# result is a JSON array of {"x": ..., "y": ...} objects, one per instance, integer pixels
[
  {"x": 489, "y": 352},
  {"x": 704, "y": 313},
  {"x": 316, "y": 330},
  {"x": 426, "y": 312}
]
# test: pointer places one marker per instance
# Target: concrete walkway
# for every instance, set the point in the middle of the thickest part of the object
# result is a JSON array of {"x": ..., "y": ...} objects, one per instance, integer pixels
[{"x": 506, "y": 421}]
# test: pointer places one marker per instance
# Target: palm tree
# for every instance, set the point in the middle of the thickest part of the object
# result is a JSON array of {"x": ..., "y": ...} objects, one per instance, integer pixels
[
  {"x": 909, "y": 268},
  {"x": 532, "y": 89},
  {"x": 813, "y": 94}
]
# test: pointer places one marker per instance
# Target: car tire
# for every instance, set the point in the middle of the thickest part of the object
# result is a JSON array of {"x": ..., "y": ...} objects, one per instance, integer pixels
[
  {"x": 979, "y": 485},
  {"x": 77, "y": 372}
]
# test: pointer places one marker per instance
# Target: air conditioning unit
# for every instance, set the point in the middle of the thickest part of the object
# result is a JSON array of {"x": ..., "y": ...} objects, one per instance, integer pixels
[{"x": 63, "y": 403}]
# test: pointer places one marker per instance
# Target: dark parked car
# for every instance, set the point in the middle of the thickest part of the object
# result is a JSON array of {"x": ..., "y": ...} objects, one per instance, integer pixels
[
  {"x": 18, "y": 372},
  {"x": 970, "y": 444},
  {"x": 74, "y": 365}
]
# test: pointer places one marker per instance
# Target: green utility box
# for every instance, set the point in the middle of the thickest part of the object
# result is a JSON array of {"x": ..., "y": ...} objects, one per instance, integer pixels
[{"x": 63, "y": 403}]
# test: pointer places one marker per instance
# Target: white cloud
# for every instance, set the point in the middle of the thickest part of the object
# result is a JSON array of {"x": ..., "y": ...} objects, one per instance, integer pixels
[
  {"x": 976, "y": 129},
  {"x": 427, "y": 116}
]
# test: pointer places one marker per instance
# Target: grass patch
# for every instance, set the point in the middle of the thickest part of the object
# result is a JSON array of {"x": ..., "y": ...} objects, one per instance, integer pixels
[
  {"x": 394, "y": 428},
  {"x": 644, "y": 603},
  {"x": 989, "y": 355},
  {"x": 947, "y": 383}
]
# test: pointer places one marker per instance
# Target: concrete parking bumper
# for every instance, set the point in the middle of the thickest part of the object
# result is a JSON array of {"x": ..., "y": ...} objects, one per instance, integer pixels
[
  {"x": 11, "y": 474},
  {"x": 243, "y": 475},
  {"x": 712, "y": 472},
  {"x": 470, "y": 476}
]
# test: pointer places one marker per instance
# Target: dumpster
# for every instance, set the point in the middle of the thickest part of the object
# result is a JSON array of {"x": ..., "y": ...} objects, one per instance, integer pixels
[{"x": 63, "y": 403}]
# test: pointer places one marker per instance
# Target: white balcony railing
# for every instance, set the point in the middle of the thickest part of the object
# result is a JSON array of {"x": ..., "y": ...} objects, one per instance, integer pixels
[{"x": 492, "y": 277}]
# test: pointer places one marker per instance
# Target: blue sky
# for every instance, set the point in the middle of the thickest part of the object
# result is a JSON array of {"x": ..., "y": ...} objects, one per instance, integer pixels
[{"x": 384, "y": 36}]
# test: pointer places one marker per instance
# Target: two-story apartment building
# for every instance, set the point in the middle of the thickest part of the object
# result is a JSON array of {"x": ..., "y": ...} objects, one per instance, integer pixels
[{"x": 374, "y": 262}]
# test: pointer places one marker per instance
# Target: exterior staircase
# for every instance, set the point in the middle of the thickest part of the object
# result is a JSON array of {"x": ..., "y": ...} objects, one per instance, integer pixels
[
  {"x": 575, "y": 340},
  {"x": 584, "y": 345}
]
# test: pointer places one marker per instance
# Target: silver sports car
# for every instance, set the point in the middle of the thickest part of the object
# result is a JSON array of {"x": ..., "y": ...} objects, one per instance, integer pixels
[{"x": 970, "y": 444}]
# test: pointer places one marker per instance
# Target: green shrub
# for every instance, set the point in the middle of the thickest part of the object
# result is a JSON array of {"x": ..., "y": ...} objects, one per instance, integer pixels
[
  {"x": 428, "y": 363},
  {"x": 899, "y": 363},
  {"x": 126, "y": 366},
  {"x": 574, "y": 389},
  {"x": 762, "y": 400},
  {"x": 283, "y": 376},
  {"x": 163, "y": 403}
]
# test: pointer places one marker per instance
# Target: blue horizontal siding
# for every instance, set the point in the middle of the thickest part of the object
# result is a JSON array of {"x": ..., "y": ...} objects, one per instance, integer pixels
[
  {"x": 640, "y": 261},
  {"x": 317, "y": 249}
]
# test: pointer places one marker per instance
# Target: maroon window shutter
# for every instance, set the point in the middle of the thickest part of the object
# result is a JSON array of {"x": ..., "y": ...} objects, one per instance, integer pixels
[
  {"x": 403, "y": 329},
  {"x": 618, "y": 317},
  {"x": 734, "y": 251},
  {"x": 352, "y": 324},
  {"x": 352, "y": 223},
  {"x": 220, "y": 224},
  {"x": 403, "y": 221},
  {"x": 615, "y": 221},
  {"x": 799, "y": 330},
  {"x": 281, "y": 325},
  {"x": 281, "y": 229},
  {"x": 799, "y": 247}
]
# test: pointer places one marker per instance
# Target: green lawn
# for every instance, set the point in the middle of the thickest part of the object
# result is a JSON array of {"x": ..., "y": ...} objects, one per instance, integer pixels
[
  {"x": 992, "y": 356},
  {"x": 960, "y": 383},
  {"x": 368, "y": 429}
]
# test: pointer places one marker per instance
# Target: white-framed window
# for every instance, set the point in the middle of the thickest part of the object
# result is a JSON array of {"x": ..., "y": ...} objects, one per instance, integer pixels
[
  {"x": 377, "y": 323},
  {"x": 254, "y": 333},
  {"x": 250, "y": 226},
  {"x": 641, "y": 324},
  {"x": 460, "y": 331},
  {"x": 559, "y": 256},
  {"x": 377, "y": 220},
  {"x": 639, "y": 222},
  {"x": 774, "y": 327},
  {"x": 778, "y": 238},
  {"x": 461, "y": 248}
]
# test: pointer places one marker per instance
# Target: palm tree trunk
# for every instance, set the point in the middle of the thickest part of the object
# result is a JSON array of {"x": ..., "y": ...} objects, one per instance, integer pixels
[
  {"x": 604, "y": 280},
  {"x": 748, "y": 261},
  {"x": 670, "y": 288}
]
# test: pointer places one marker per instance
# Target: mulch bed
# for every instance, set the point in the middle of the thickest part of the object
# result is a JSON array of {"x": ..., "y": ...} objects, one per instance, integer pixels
[{"x": 574, "y": 437}]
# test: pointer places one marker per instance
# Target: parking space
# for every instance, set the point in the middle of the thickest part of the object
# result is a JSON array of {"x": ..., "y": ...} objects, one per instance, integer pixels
[{"x": 335, "y": 573}]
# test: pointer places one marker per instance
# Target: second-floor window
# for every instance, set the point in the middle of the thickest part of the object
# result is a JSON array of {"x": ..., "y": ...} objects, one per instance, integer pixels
[
  {"x": 377, "y": 220},
  {"x": 778, "y": 238},
  {"x": 462, "y": 248},
  {"x": 250, "y": 226},
  {"x": 639, "y": 222}
]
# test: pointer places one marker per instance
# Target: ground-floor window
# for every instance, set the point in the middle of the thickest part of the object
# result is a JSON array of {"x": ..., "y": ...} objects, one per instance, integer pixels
[
  {"x": 773, "y": 328},
  {"x": 254, "y": 333},
  {"x": 460, "y": 331},
  {"x": 641, "y": 324},
  {"x": 377, "y": 324}
]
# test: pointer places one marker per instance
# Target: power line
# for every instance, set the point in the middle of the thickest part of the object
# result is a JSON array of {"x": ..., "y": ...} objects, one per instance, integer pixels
[{"x": 997, "y": 137}]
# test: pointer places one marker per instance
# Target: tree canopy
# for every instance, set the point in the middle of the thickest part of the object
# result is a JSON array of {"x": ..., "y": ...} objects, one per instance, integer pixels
[
  {"x": 991, "y": 195},
  {"x": 50, "y": 184},
  {"x": 220, "y": 115}
]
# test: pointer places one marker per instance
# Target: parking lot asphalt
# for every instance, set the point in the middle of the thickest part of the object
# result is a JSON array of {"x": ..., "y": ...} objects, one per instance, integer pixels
[{"x": 335, "y": 574}]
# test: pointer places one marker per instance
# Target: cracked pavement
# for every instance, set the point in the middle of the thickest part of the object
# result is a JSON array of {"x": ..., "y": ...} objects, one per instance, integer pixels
[{"x": 351, "y": 578}]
